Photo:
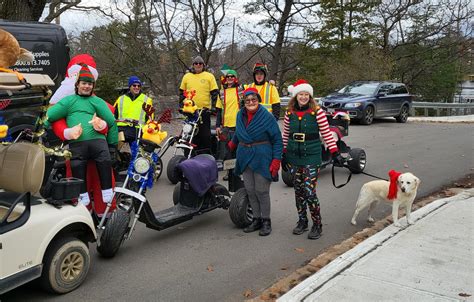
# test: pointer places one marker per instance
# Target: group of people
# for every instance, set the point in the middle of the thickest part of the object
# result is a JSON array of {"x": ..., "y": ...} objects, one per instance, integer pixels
[
  {"x": 247, "y": 118},
  {"x": 250, "y": 129}
]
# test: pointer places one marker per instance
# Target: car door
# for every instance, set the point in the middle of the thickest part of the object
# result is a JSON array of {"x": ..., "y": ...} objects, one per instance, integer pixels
[
  {"x": 398, "y": 96},
  {"x": 383, "y": 106}
]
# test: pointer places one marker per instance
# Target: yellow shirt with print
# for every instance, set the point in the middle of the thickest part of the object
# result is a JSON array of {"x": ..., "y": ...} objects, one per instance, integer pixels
[
  {"x": 229, "y": 104},
  {"x": 203, "y": 83},
  {"x": 268, "y": 93}
]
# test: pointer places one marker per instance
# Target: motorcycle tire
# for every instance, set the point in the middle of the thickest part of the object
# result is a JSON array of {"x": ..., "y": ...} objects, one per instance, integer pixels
[
  {"x": 287, "y": 178},
  {"x": 357, "y": 160},
  {"x": 172, "y": 168},
  {"x": 158, "y": 169},
  {"x": 114, "y": 233},
  {"x": 240, "y": 211},
  {"x": 176, "y": 193}
]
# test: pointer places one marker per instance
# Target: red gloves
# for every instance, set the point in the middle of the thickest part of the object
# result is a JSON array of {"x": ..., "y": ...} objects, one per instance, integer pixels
[
  {"x": 274, "y": 167},
  {"x": 231, "y": 146}
]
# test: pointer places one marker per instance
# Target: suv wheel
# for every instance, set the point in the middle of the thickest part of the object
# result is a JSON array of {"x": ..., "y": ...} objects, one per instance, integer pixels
[
  {"x": 368, "y": 116},
  {"x": 403, "y": 116},
  {"x": 66, "y": 264}
]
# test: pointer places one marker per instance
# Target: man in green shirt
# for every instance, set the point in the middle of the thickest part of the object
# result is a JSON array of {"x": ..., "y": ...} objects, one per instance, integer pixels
[{"x": 87, "y": 115}]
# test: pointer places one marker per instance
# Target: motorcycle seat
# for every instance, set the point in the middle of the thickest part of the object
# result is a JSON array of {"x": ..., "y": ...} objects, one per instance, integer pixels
[{"x": 200, "y": 171}]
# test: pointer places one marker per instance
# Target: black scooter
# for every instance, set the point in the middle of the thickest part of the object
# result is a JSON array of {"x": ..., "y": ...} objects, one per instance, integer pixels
[{"x": 133, "y": 206}]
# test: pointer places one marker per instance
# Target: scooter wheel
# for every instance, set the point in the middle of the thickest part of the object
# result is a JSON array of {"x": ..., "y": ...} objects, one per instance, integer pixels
[
  {"x": 114, "y": 233},
  {"x": 158, "y": 169},
  {"x": 240, "y": 211},
  {"x": 357, "y": 160},
  {"x": 172, "y": 168},
  {"x": 176, "y": 193},
  {"x": 287, "y": 178}
]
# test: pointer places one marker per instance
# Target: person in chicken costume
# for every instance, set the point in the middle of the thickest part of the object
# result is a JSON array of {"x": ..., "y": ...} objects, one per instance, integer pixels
[{"x": 62, "y": 131}]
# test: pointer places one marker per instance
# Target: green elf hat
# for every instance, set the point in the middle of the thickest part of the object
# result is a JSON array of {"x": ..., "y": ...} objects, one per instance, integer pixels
[{"x": 85, "y": 74}]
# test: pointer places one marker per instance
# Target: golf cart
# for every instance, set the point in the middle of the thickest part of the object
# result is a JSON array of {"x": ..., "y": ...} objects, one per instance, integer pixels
[{"x": 40, "y": 239}]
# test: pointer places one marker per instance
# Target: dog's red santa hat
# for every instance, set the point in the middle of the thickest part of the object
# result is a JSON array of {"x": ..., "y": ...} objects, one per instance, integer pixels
[{"x": 393, "y": 188}]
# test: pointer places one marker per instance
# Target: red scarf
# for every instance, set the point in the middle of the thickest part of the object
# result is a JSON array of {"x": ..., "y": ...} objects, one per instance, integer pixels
[
  {"x": 250, "y": 116},
  {"x": 393, "y": 188}
]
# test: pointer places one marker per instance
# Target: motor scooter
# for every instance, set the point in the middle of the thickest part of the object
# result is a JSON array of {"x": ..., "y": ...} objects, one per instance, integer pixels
[{"x": 198, "y": 192}]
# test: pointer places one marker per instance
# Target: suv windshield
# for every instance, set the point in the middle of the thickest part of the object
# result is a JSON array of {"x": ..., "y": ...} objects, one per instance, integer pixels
[{"x": 360, "y": 88}]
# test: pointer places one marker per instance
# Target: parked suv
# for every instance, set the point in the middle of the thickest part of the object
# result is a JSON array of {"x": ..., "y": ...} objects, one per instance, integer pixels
[{"x": 366, "y": 100}]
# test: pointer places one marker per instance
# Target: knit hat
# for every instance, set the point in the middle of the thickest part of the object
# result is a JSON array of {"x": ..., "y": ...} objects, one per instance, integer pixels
[
  {"x": 231, "y": 72},
  {"x": 249, "y": 91},
  {"x": 134, "y": 80},
  {"x": 300, "y": 86},
  {"x": 260, "y": 67},
  {"x": 85, "y": 74},
  {"x": 393, "y": 188},
  {"x": 198, "y": 59}
]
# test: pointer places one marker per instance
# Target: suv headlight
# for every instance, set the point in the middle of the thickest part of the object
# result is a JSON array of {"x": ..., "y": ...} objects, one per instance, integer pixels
[
  {"x": 352, "y": 105},
  {"x": 141, "y": 165}
]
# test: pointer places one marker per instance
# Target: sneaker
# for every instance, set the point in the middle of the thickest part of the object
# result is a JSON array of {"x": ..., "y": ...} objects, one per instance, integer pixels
[
  {"x": 315, "y": 232},
  {"x": 301, "y": 227}
]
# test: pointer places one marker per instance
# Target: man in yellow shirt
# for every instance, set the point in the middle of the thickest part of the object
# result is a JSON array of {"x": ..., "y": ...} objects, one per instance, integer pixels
[
  {"x": 129, "y": 106},
  {"x": 207, "y": 93},
  {"x": 267, "y": 91}
]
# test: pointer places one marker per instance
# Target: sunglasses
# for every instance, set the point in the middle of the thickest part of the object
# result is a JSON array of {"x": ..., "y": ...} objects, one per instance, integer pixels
[
  {"x": 198, "y": 63},
  {"x": 136, "y": 85},
  {"x": 251, "y": 100},
  {"x": 230, "y": 77}
]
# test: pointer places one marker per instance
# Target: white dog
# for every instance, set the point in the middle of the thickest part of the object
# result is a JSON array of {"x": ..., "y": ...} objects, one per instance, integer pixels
[{"x": 378, "y": 190}]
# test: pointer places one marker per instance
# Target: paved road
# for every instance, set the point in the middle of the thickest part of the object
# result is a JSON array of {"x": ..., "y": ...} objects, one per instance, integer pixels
[{"x": 208, "y": 259}]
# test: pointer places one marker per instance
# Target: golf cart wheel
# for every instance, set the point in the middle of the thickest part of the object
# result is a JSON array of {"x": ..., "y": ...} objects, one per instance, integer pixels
[
  {"x": 66, "y": 264},
  {"x": 403, "y": 116},
  {"x": 368, "y": 116},
  {"x": 240, "y": 211},
  {"x": 287, "y": 177},
  {"x": 176, "y": 193},
  {"x": 158, "y": 169},
  {"x": 172, "y": 169},
  {"x": 114, "y": 233},
  {"x": 357, "y": 160}
]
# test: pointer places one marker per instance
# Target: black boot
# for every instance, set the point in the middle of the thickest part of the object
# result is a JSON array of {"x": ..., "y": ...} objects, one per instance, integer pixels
[
  {"x": 254, "y": 226},
  {"x": 301, "y": 227},
  {"x": 315, "y": 232},
  {"x": 266, "y": 227}
]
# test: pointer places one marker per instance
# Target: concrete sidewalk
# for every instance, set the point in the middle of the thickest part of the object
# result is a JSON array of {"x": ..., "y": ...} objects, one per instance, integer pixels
[
  {"x": 443, "y": 119},
  {"x": 432, "y": 260}
]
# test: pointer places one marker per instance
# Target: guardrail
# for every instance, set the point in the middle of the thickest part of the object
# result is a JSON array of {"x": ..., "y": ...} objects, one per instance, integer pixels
[{"x": 427, "y": 108}]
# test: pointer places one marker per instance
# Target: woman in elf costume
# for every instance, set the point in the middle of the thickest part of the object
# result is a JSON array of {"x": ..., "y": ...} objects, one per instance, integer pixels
[
  {"x": 259, "y": 144},
  {"x": 303, "y": 121},
  {"x": 87, "y": 116}
]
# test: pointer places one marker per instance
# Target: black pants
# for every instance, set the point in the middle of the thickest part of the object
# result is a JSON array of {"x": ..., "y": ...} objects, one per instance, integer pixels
[
  {"x": 97, "y": 150},
  {"x": 225, "y": 137},
  {"x": 203, "y": 138},
  {"x": 129, "y": 132}
]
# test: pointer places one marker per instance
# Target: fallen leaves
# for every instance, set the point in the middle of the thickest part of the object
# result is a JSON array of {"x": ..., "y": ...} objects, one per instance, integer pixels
[
  {"x": 299, "y": 250},
  {"x": 247, "y": 293},
  {"x": 210, "y": 268}
]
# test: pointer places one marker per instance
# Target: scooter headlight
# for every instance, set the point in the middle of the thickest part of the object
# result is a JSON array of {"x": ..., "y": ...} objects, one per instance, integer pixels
[
  {"x": 187, "y": 129},
  {"x": 141, "y": 165}
]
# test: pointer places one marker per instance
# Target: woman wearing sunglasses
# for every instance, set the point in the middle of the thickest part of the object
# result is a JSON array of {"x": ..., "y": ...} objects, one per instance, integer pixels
[{"x": 259, "y": 147}]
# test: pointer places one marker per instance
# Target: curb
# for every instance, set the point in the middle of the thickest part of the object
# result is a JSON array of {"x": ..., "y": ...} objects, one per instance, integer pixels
[{"x": 342, "y": 262}]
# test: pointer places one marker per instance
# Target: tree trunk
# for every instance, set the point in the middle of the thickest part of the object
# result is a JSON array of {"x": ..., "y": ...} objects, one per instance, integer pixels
[
  {"x": 21, "y": 10},
  {"x": 279, "y": 40}
]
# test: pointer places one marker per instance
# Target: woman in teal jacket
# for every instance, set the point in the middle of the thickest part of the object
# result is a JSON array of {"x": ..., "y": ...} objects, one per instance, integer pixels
[{"x": 259, "y": 146}]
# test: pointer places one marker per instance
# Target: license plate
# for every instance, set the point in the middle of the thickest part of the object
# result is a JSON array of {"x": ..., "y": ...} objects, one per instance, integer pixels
[{"x": 229, "y": 164}]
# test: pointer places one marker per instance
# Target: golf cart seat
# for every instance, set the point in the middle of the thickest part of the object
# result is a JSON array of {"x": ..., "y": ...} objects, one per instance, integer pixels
[
  {"x": 200, "y": 171},
  {"x": 21, "y": 172}
]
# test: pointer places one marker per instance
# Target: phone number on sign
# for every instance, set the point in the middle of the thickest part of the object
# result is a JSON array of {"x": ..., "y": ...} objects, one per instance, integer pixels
[{"x": 34, "y": 63}]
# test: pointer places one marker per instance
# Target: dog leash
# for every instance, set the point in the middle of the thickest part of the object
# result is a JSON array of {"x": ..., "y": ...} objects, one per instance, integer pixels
[{"x": 350, "y": 176}]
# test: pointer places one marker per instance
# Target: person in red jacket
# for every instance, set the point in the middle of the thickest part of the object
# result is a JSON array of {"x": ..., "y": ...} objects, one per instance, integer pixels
[{"x": 62, "y": 131}]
